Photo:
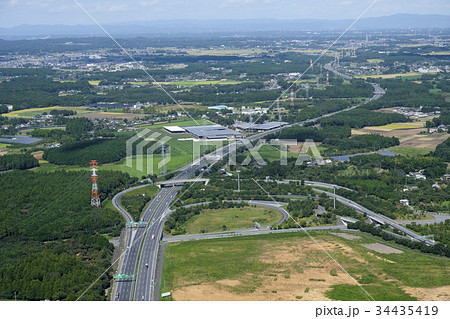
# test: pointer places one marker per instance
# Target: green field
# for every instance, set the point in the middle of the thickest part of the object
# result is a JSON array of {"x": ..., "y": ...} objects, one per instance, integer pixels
[
  {"x": 30, "y": 113},
  {"x": 197, "y": 122},
  {"x": 253, "y": 267},
  {"x": 148, "y": 190},
  {"x": 213, "y": 220},
  {"x": 139, "y": 83},
  {"x": 270, "y": 153},
  {"x": 409, "y": 151},
  {"x": 181, "y": 154}
]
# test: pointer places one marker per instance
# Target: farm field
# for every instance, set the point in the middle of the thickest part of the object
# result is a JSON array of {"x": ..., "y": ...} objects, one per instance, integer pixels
[
  {"x": 193, "y": 83},
  {"x": 30, "y": 113},
  {"x": 394, "y": 126},
  {"x": 210, "y": 220},
  {"x": 408, "y": 134},
  {"x": 291, "y": 266},
  {"x": 111, "y": 115},
  {"x": 225, "y": 52},
  {"x": 392, "y": 76},
  {"x": 409, "y": 151}
]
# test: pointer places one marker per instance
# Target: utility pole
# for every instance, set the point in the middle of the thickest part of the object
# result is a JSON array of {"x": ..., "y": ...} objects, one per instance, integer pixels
[
  {"x": 334, "y": 197},
  {"x": 239, "y": 181},
  {"x": 278, "y": 108}
]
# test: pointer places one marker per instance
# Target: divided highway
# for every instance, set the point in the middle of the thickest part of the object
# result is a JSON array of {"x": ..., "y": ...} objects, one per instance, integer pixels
[{"x": 142, "y": 244}]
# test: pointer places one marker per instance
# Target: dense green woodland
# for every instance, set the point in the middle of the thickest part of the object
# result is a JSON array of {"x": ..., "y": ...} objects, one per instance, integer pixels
[
  {"x": 81, "y": 153},
  {"x": 134, "y": 204},
  {"x": 17, "y": 161},
  {"x": 443, "y": 150},
  {"x": 360, "y": 143},
  {"x": 359, "y": 118},
  {"x": 407, "y": 94},
  {"x": 50, "y": 242}
]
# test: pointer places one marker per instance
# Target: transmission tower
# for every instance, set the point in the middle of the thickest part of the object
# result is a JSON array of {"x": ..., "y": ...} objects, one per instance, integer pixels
[{"x": 95, "y": 200}]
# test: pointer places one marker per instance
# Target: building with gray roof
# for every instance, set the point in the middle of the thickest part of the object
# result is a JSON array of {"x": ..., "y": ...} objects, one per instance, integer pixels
[{"x": 212, "y": 132}]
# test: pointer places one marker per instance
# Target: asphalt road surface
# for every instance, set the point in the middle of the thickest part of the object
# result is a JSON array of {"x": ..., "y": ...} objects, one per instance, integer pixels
[{"x": 142, "y": 244}]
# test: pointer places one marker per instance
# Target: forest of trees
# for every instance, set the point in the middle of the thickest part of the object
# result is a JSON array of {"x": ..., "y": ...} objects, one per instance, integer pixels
[
  {"x": 407, "y": 94},
  {"x": 443, "y": 150},
  {"x": 359, "y": 118},
  {"x": 360, "y": 143},
  {"x": 301, "y": 133},
  {"x": 17, "y": 161},
  {"x": 50, "y": 242},
  {"x": 81, "y": 153},
  {"x": 134, "y": 204}
]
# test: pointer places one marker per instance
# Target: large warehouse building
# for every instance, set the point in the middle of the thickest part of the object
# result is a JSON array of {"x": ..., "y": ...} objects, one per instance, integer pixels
[
  {"x": 260, "y": 127},
  {"x": 212, "y": 132}
]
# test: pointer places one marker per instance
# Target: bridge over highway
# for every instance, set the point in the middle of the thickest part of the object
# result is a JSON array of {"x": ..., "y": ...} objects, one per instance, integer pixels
[{"x": 180, "y": 182}]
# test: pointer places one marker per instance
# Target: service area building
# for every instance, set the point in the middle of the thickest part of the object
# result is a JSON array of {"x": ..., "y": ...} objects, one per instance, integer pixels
[
  {"x": 212, "y": 132},
  {"x": 174, "y": 129},
  {"x": 260, "y": 127}
]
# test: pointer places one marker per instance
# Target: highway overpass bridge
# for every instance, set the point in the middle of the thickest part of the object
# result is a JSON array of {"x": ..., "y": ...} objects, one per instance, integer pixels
[{"x": 181, "y": 182}]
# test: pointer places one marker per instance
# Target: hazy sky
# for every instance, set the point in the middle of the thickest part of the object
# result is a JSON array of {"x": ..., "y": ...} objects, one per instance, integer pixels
[{"x": 17, "y": 12}]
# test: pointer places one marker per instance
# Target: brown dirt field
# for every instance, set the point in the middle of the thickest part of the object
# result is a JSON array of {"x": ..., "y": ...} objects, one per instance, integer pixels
[
  {"x": 429, "y": 294},
  {"x": 3, "y": 153},
  {"x": 383, "y": 249},
  {"x": 409, "y": 137},
  {"x": 38, "y": 156},
  {"x": 423, "y": 141},
  {"x": 296, "y": 148},
  {"x": 315, "y": 264}
]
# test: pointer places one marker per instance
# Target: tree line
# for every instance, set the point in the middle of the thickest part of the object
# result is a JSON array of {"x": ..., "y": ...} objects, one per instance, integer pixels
[{"x": 17, "y": 161}]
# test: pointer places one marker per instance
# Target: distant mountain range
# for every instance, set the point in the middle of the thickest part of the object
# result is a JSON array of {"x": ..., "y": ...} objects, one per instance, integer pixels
[{"x": 132, "y": 29}]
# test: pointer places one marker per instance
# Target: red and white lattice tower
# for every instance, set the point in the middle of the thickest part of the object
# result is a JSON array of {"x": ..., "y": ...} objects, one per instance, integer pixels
[
  {"x": 311, "y": 64},
  {"x": 328, "y": 78},
  {"x": 95, "y": 200},
  {"x": 292, "y": 97}
]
